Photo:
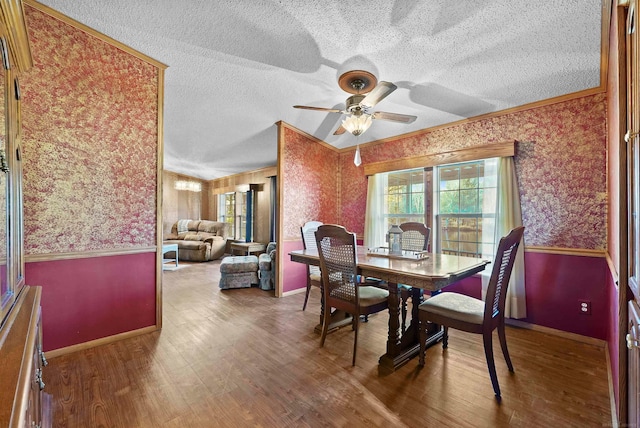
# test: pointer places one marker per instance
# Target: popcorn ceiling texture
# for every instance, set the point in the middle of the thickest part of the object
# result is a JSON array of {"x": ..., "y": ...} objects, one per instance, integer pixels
[
  {"x": 90, "y": 143},
  {"x": 238, "y": 67},
  {"x": 560, "y": 165}
]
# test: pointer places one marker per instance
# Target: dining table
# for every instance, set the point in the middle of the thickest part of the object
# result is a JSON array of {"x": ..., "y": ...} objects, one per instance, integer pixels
[{"x": 431, "y": 272}]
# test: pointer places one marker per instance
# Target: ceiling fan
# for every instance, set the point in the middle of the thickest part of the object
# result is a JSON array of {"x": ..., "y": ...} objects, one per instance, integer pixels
[{"x": 367, "y": 92}]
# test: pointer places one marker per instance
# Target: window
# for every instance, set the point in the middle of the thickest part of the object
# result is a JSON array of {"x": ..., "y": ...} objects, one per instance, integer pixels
[
  {"x": 404, "y": 197},
  {"x": 232, "y": 209},
  {"x": 458, "y": 204},
  {"x": 241, "y": 216},
  {"x": 227, "y": 209},
  {"x": 466, "y": 199}
]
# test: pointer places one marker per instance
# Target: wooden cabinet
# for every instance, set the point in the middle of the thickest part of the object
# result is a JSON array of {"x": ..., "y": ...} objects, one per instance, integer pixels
[
  {"x": 633, "y": 360},
  {"x": 23, "y": 402}
]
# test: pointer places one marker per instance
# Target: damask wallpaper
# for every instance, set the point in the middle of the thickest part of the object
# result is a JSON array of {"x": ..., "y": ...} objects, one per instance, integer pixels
[
  {"x": 89, "y": 113},
  {"x": 561, "y": 165}
]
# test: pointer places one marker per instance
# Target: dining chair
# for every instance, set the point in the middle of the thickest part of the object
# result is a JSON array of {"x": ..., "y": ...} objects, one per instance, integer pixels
[
  {"x": 453, "y": 310},
  {"x": 338, "y": 266},
  {"x": 308, "y": 231},
  {"x": 415, "y": 237}
]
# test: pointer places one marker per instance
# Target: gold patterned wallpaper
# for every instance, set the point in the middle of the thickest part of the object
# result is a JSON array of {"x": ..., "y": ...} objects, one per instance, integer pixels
[
  {"x": 561, "y": 165},
  {"x": 90, "y": 142}
]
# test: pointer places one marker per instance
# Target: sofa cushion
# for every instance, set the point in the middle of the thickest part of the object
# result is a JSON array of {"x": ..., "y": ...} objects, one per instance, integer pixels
[
  {"x": 193, "y": 237},
  {"x": 204, "y": 235},
  {"x": 191, "y": 245},
  {"x": 216, "y": 228}
]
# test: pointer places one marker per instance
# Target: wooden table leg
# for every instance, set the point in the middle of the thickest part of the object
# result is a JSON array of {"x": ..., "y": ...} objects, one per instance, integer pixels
[{"x": 402, "y": 346}]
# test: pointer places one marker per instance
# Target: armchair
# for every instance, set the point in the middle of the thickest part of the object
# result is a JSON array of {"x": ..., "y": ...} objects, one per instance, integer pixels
[{"x": 267, "y": 267}]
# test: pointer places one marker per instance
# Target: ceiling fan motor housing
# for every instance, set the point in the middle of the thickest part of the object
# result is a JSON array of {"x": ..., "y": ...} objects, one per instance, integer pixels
[{"x": 353, "y": 104}]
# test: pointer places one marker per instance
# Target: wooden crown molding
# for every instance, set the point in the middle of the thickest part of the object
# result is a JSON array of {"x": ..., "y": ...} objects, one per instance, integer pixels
[
  {"x": 463, "y": 155},
  {"x": 284, "y": 124}
]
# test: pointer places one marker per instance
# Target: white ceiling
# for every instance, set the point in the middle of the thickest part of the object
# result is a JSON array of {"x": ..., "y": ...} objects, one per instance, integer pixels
[{"x": 235, "y": 67}]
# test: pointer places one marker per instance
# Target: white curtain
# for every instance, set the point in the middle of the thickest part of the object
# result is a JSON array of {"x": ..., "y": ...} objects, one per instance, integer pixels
[
  {"x": 374, "y": 221},
  {"x": 508, "y": 215}
]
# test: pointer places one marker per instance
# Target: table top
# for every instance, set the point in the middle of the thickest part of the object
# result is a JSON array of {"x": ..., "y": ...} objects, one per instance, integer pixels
[
  {"x": 433, "y": 272},
  {"x": 169, "y": 247},
  {"x": 245, "y": 245}
]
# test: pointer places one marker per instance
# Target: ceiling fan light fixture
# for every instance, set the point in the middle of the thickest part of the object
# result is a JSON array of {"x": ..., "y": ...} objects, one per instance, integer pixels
[{"x": 357, "y": 125}]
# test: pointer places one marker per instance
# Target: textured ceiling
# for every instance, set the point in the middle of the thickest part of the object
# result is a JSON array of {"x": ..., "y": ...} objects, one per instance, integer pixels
[{"x": 237, "y": 67}]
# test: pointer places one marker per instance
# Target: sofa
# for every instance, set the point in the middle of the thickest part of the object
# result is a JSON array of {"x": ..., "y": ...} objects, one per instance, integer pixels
[{"x": 198, "y": 240}]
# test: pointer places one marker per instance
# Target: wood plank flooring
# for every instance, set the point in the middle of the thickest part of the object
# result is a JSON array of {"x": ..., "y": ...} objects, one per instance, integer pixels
[{"x": 242, "y": 358}]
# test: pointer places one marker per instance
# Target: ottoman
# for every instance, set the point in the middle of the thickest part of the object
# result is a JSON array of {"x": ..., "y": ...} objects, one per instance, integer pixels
[{"x": 238, "y": 272}]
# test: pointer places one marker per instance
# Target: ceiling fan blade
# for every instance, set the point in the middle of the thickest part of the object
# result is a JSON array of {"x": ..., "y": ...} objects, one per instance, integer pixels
[
  {"x": 395, "y": 117},
  {"x": 330, "y": 110},
  {"x": 341, "y": 130},
  {"x": 378, "y": 93}
]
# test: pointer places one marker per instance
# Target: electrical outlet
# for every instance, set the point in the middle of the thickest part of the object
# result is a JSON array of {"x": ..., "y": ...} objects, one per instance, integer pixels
[{"x": 585, "y": 307}]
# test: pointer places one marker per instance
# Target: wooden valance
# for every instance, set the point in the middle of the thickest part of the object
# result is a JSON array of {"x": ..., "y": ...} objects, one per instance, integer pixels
[{"x": 507, "y": 148}]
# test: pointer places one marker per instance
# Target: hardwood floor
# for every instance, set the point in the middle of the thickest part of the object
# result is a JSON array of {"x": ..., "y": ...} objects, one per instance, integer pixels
[{"x": 237, "y": 358}]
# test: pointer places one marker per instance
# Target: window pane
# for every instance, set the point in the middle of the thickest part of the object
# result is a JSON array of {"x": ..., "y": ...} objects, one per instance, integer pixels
[
  {"x": 403, "y": 207},
  {"x": 469, "y": 201},
  {"x": 450, "y": 178},
  {"x": 417, "y": 203},
  {"x": 392, "y": 204},
  {"x": 449, "y": 202}
]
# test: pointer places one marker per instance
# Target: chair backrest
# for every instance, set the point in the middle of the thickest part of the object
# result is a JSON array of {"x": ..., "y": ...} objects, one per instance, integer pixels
[
  {"x": 500, "y": 275},
  {"x": 415, "y": 236},
  {"x": 338, "y": 263},
  {"x": 308, "y": 231}
]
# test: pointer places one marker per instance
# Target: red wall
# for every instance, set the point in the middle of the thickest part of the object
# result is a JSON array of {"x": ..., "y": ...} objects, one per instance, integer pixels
[
  {"x": 556, "y": 283},
  {"x": 294, "y": 274},
  {"x": 88, "y": 299},
  {"x": 309, "y": 177},
  {"x": 90, "y": 156}
]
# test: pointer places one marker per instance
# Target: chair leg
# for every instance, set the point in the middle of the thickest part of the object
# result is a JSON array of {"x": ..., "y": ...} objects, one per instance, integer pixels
[
  {"x": 355, "y": 339},
  {"x": 503, "y": 345},
  {"x": 422, "y": 329},
  {"x": 325, "y": 325},
  {"x": 488, "y": 352},
  {"x": 306, "y": 296},
  {"x": 445, "y": 337}
]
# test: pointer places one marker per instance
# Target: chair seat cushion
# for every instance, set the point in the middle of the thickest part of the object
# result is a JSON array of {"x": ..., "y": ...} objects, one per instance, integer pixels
[
  {"x": 370, "y": 296},
  {"x": 456, "y": 306},
  {"x": 316, "y": 278}
]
